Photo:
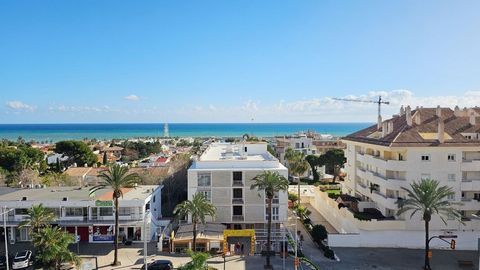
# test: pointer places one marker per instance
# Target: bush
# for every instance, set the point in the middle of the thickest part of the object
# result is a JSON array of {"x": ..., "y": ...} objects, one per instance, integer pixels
[
  {"x": 292, "y": 197},
  {"x": 319, "y": 233}
]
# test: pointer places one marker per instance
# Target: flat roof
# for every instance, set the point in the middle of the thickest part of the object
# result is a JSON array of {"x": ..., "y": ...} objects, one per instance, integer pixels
[
  {"x": 232, "y": 152},
  {"x": 74, "y": 193}
]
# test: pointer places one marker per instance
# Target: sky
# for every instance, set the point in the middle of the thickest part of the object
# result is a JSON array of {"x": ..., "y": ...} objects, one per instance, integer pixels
[{"x": 115, "y": 61}]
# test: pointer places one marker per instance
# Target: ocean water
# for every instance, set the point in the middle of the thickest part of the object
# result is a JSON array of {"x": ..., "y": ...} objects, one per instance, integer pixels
[{"x": 56, "y": 132}]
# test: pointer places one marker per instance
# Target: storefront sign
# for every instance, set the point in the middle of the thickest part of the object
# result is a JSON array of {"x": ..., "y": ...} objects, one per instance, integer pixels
[
  {"x": 103, "y": 203},
  {"x": 103, "y": 238}
]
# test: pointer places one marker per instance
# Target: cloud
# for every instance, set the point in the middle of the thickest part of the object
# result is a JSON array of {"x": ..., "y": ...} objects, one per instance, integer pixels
[
  {"x": 81, "y": 109},
  {"x": 20, "y": 106},
  {"x": 132, "y": 98}
]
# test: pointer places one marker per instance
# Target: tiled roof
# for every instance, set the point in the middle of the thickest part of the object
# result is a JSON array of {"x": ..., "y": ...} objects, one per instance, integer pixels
[{"x": 425, "y": 133}]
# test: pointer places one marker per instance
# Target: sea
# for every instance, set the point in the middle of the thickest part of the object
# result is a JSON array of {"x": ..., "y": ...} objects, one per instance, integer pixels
[{"x": 58, "y": 132}]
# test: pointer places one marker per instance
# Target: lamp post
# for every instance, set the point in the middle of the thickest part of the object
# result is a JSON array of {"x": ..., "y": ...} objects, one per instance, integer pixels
[
  {"x": 295, "y": 263},
  {"x": 145, "y": 249},
  {"x": 5, "y": 212}
]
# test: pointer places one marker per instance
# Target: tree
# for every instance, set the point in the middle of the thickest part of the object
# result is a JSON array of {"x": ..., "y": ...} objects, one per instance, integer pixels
[
  {"x": 319, "y": 233},
  {"x": 198, "y": 262},
  {"x": 314, "y": 162},
  {"x": 269, "y": 182},
  {"x": 297, "y": 165},
  {"x": 428, "y": 198},
  {"x": 116, "y": 178},
  {"x": 51, "y": 245},
  {"x": 198, "y": 209},
  {"x": 105, "y": 158},
  {"x": 38, "y": 217},
  {"x": 333, "y": 161},
  {"x": 77, "y": 152}
]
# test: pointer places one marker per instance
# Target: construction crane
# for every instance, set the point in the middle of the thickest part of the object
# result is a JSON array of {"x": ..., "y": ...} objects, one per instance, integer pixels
[{"x": 379, "y": 102}]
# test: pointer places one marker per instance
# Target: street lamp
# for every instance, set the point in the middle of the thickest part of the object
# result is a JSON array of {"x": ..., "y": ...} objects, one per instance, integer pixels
[
  {"x": 5, "y": 212},
  {"x": 145, "y": 250},
  {"x": 296, "y": 241}
]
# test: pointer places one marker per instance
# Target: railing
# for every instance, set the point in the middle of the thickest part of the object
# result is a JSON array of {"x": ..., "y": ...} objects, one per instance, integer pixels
[
  {"x": 237, "y": 201},
  {"x": 237, "y": 183},
  {"x": 237, "y": 218},
  {"x": 274, "y": 201}
]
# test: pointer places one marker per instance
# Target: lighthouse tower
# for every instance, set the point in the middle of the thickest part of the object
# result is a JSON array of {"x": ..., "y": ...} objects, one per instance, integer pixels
[{"x": 166, "y": 133}]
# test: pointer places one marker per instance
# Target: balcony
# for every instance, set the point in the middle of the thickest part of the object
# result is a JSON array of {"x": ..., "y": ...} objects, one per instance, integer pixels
[
  {"x": 470, "y": 164},
  {"x": 470, "y": 204},
  {"x": 386, "y": 201},
  {"x": 237, "y": 218},
  {"x": 470, "y": 184},
  {"x": 237, "y": 183},
  {"x": 377, "y": 161},
  {"x": 237, "y": 201}
]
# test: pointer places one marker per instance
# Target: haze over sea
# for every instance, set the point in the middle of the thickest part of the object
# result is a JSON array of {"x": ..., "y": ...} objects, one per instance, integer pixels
[{"x": 57, "y": 132}]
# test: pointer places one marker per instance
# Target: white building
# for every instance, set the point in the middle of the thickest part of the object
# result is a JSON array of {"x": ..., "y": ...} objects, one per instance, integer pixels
[
  {"x": 90, "y": 217},
  {"x": 224, "y": 173},
  {"x": 435, "y": 143}
]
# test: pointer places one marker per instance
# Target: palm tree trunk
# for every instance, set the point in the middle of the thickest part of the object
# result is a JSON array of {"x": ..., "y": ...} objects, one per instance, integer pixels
[
  {"x": 269, "y": 232},
  {"x": 427, "y": 248},
  {"x": 115, "y": 239},
  {"x": 194, "y": 241}
]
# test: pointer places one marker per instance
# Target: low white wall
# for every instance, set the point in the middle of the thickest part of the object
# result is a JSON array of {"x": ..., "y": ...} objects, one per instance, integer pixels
[
  {"x": 402, "y": 239},
  {"x": 378, "y": 233}
]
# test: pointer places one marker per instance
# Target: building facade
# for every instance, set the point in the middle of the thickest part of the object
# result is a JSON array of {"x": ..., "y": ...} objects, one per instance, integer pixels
[
  {"x": 89, "y": 217},
  {"x": 224, "y": 173},
  {"x": 435, "y": 143}
]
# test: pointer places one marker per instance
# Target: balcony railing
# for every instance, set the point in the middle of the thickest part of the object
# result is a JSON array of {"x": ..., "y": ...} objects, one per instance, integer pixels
[
  {"x": 237, "y": 183},
  {"x": 237, "y": 201},
  {"x": 237, "y": 217}
]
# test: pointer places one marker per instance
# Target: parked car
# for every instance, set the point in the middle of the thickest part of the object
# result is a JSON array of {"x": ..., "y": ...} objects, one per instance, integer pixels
[
  {"x": 22, "y": 260},
  {"x": 159, "y": 265}
]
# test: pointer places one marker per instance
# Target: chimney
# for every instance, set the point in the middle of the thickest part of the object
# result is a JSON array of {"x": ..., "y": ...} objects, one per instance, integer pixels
[
  {"x": 408, "y": 115},
  {"x": 441, "y": 131},
  {"x": 439, "y": 111},
  {"x": 379, "y": 122},
  {"x": 385, "y": 129},
  {"x": 472, "y": 118},
  {"x": 402, "y": 110},
  {"x": 456, "y": 112},
  {"x": 418, "y": 119},
  {"x": 390, "y": 127}
]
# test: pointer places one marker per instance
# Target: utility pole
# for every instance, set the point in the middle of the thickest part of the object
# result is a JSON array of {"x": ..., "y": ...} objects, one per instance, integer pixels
[{"x": 5, "y": 212}]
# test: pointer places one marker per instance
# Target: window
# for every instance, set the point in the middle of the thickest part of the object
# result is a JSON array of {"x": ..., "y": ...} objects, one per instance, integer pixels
[
  {"x": 55, "y": 211},
  {"x": 124, "y": 211},
  {"x": 74, "y": 212},
  {"x": 107, "y": 211},
  {"x": 237, "y": 176},
  {"x": 153, "y": 198},
  {"x": 245, "y": 148},
  {"x": 207, "y": 194},
  {"x": 400, "y": 156},
  {"x": 451, "y": 177},
  {"x": 21, "y": 211},
  {"x": 274, "y": 213},
  {"x": 204, "y": 179},
  {"x": 237, "y": 210},
  {"x": 451, "y": 157},
  {"x": 237, "y": 193},
  {"x": 451, "y": 197},
  {"x": 425, "y": 157}
]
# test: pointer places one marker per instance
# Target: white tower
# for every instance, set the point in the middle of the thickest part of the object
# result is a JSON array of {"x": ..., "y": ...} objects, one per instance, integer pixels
[{"x": 166, "y": 134}]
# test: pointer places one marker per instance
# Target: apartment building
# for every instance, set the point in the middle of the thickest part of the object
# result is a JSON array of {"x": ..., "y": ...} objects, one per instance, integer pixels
[
  {"x": 224, "y": 173},
  {"x": 91, "y": 217},
  {"x": 436, "y": 143}
]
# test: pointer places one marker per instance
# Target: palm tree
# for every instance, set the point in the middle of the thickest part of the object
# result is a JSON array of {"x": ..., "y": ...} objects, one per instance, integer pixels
[
  {"x": 198, "y": 208},
  {"x": 428, "y": 198},
  {"x": 116, "y": 178},
  {"x": 271, "y": 183},
  {"x": 52, "y": 244},
  {"x": 38, "y": 217},
  {"x": 297, "y": 165}
]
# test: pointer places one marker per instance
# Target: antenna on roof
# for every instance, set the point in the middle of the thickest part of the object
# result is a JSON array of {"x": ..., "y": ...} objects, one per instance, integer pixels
[{"x": 379, "y": 102}]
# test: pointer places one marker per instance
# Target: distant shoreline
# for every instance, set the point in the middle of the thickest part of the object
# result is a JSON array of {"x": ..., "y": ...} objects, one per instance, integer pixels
[{"x": 108, "y": 131}]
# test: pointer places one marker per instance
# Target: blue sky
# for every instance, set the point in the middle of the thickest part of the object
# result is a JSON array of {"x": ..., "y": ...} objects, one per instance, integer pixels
[{"x": 230, "y": 61}]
